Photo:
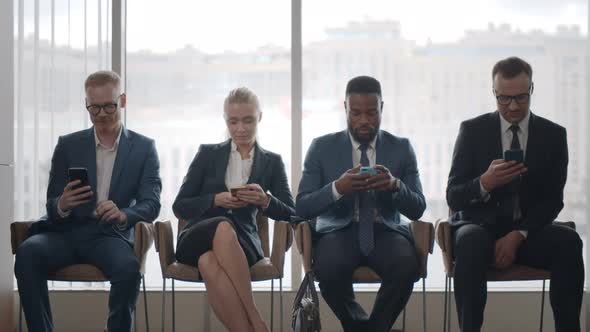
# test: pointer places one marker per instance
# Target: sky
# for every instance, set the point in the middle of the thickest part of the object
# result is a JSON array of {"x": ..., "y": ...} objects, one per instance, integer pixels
[{"x": 219, "y": 25}]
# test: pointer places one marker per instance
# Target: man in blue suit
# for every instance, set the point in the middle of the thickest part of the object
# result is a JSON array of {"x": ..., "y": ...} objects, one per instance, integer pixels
[
  {"x": 358, "y": 213},
  {"x": 93, "y": 224}
]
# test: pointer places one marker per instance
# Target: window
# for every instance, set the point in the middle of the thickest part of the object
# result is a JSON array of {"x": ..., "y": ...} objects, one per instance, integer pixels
[
  {"x": 181, "y": 67},
  {"x": 182, "y": 59},
  {"x": 57, "y": 44},
  {"x": 438, "y": 74}
]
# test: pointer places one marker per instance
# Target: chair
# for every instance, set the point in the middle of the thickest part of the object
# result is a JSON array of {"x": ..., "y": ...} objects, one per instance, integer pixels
[
  {"x": 514, "y": 272},
  {"x": 423, "y": 234},
  {"x": 268, "y": 268},
  {"x": 143, "y": 236}
]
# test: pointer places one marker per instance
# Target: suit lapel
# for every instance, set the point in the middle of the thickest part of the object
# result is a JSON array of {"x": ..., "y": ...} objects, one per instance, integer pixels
[
  {"x": 345, "y": 154},
  {"x": 531, "y": 143},
  {"x": 89, "y": 160},
  {"x": 222, "y": 161},
  {"x": 258, "y": 165},
  {"x": 123, "y": 151},
  {"x": 382, "y": 157},
  {"x": 497, "y": 136}
]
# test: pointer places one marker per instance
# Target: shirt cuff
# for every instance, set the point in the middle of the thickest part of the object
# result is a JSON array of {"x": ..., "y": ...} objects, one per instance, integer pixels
[
  {"x": 484, "y": 194},
  {"x": 524, "y": 233},
  {"x": 335, "y": 194},
  {"x": 267, "y": 204},
  {"x": 62, "y": 214}
]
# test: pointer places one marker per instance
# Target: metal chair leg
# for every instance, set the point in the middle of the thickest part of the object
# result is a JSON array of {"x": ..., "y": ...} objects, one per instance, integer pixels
[
  {"x": 424, "y": 303},
  {"x": 20, "y": 316},
  {"x": 542, "y": 307},
  {"x": 450, "y": 297},
  {"x": 445, "y": 305},
  {"x": 272, "y": 304},
  {"x": 173, "y": 308},
  {"x": 163, "y": 303},
  {"x": 281, "y": 301},
  {"x": 134, "y": 323},
  {"x": 404, "y": 320},
  {"x": 145, "y": 306}
]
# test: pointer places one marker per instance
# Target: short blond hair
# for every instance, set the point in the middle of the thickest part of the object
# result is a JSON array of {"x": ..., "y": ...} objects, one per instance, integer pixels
[
  {"x": 102, "y": 77},
  {"x": 241, "y": 95}
]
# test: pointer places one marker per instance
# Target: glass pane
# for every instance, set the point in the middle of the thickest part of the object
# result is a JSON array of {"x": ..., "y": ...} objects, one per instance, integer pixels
[
  {"x": 434, "y": 64},
  {"x": 180, "y": 68},
  {"x": 54, "y": 54}
]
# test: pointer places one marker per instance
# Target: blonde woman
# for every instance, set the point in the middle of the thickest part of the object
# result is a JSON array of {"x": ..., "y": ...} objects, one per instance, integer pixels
[{"x": 226, "y": 186}]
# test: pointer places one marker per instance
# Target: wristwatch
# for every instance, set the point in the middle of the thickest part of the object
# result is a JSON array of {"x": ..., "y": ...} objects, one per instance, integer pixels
[{"x": 396, "y": 185}]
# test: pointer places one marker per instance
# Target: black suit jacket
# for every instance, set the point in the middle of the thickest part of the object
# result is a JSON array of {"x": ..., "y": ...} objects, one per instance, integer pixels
[
  {"x": 206, "y": 177},
  {"x": 541, "y": 187}
]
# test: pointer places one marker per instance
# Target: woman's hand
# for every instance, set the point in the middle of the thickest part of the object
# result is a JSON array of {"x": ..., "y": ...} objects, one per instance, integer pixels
[
  {"x": 227, "y": 201},
  {"x": 253, "y": 194}
]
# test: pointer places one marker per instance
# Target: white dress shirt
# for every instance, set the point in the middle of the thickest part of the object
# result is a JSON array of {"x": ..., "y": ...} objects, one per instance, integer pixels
[
  {"x": 105, "y": 161},
  {"x": 238, "y": 170},
  {"x": 506, "y": 134}
]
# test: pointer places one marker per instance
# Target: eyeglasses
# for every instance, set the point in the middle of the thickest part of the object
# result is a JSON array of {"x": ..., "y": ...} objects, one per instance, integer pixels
[
  {"x": 108, "y": 108},
  {"x": 522, "y": 98}
]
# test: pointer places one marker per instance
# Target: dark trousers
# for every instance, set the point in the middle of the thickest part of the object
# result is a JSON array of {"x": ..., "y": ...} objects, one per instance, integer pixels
[
  {"x": 557, "y": 249},
  {"x": 84, "y": 244},
  {"x": 336, "y": 255}
]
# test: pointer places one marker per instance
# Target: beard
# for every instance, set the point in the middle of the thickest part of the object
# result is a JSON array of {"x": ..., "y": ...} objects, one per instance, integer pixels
[{"x": 365, "y": 137}]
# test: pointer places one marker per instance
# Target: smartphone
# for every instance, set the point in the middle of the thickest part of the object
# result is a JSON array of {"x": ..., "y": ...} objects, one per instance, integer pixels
[
  {"x": 368, "y": 170},
  {"x": 234, "y": 191},
  {"x": 516, "y": 155},
  {"x": 78, "y": 173}
]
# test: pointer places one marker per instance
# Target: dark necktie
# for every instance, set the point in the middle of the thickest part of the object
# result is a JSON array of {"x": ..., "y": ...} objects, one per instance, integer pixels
[
  {"x": 366, "y": 211},
  {"x": 514, "y": 203},
  {"x": 515, "y": 145}
]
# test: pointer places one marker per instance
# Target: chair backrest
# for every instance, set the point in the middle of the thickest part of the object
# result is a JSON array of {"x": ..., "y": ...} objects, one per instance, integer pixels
[
  {"x": 261, "y": 224},
  {"x": 163, "y": 241},
  {"x": 18, "y": 233}
]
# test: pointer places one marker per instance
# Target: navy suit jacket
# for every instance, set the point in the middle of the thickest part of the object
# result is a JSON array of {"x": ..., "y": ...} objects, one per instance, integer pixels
[
  {"x": 135, "y": 184},
  {"x": 206, "y": 177},
  {"x": 541, "y": 187},
  {"x": 330, "y": 156}
]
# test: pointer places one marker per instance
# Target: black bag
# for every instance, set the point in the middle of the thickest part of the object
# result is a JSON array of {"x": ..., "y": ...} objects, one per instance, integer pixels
[{"x": 306, "y": 307}]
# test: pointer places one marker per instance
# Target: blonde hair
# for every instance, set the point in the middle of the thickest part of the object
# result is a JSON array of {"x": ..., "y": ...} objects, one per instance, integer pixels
[
  {"x": 241, "y": 95},
  {"x": 102, "y": 77}
]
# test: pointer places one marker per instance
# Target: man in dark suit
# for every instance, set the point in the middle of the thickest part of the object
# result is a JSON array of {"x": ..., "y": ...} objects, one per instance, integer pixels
[
  {"x": 93, "y": 224},
  {"x": 505, "y": 208},
  {"x": 358, "y": 214}
]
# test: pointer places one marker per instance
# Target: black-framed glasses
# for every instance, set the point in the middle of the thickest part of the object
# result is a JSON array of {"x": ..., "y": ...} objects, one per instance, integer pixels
[
  {"x": 108, "y": 108},
  {"x": 522, "y": 98}
]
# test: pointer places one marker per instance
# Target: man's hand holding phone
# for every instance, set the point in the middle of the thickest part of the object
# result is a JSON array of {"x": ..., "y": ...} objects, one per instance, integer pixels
[
  {"x": 352, "y": 181},
  {"x": 74, "y": 196},
  {"x": 383, "y": 180},
  {"x": 77, "y": 191},
  {"x": 501, "y": 172}
]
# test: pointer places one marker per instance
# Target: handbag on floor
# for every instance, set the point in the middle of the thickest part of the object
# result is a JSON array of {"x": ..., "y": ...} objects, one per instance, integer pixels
[{"x": 306, "y": 307}]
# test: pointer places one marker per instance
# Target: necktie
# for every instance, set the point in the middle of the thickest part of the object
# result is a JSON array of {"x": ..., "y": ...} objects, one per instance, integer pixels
[
  {"x": 515, "y": 145},
  {"x": 366, "y": 208},
  {"x": 514, "y": 200}
]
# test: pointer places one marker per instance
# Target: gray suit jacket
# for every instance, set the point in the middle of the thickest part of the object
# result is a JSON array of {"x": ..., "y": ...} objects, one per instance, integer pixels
[
  {"x": 206, "y": 177},
  {"x": 330, "y": 156},
  {"x": 135, "y": 184}
]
